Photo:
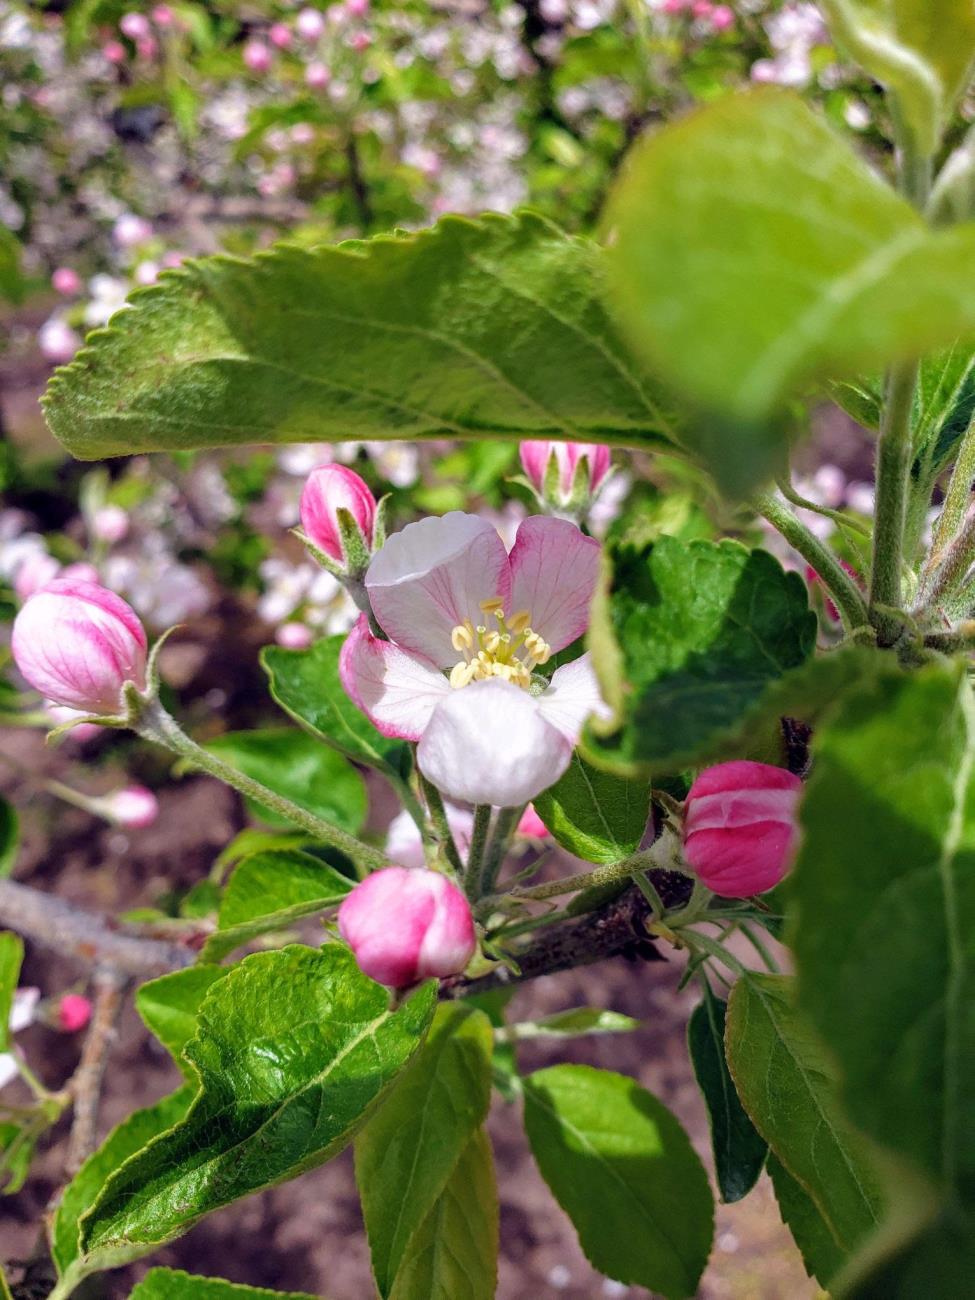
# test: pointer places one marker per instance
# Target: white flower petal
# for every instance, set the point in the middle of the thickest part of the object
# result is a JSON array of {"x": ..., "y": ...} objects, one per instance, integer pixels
[
  {"x": 572, "y": 697},
  {"x": 396, "y": 691},
  {"x": 433, "y": 575},
  {"x": 489, "y": 743},
  {"x": 405, "y": 847},
  {"x": 22, "y": 1009},
  {"x": 8, "y": 1069},
  {"x": 554, "y": 569}
]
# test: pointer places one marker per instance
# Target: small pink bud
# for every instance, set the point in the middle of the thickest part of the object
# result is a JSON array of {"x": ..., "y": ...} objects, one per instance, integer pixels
[
  {"x": 535, "y": 457},
  {"x": 702, "y": 8},
  {"x": 327, "y": 489},
  {"x": 135, "y": 26},
  {"x": 114, "y": 51},
  {"x": 722, "y": 17},
  {"x": 531, "y": 825},
  {"x": 131, "y": 230},
  {"x": 58, "y": 341},
  {"x": 302, "y": 133},
  {"x": 163, "y": 16},
  {"x": 310, "y": 24},
  {"x": 279, "y": 34},
  {"x": 294, "y": 636},
  {"x": 258, "y": 56},
  {"x": 406, "y": 925},
  {"x": 147, "y": 48},
  {"x": 740, "y": 827},
  {"x": 134, "y": 807},
  {"x": 356, "y": 8},
  {"x": 147, "y": 272},
  {"x": 110, "y": 524},
  {"x": 36, "y": 571},
  {"x": 73, "y": 1013},
  {"x": 79, "y": 644},
  {"x": 674, "y": 6},
  {"x": 360, "y": 41},
  {"x": 66, "y": 281},
  {"x": 317, "y": 76}
]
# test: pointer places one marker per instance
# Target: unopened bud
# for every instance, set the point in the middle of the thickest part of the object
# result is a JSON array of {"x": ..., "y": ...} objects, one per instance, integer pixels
[
  {"x": 66, "y": 281},
  {"x": 565, "y": 475},
  {"x": 133, "y": 807},
  {"x": 338, "y": 515},
  {"x": 110, "y": 523},
  {"x": 73, "y": 1013}
]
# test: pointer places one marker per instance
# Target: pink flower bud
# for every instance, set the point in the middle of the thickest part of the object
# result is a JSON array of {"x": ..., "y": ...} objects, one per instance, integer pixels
[
  {"x": 294, "y": 636},
  {"x": 258, "y": 56},
  {"x": 356, "y": 8},
  {"x": 406, "y": 925},
  {"x": 279, "y": 34},
  {"x": 535, "y": 457},
  {"x": 147, "y": 272},
  {"x": 73, "y": 1013},
  {"x": 66, "y": 281},
  {"x": 134, "y": 807},
  {"x": 327, "y": 489},
  {"x": 163, "y": 16},
  {"x": 360, "y": 41},
  {"x": 531, "y": 826},
  {"x": 36, "y": 571},
  {"x": 79, "y": 644},
  {"x": 722, "y": 17},
  {"x": 310, "y": 24},
  {"x": 702, "y": 8},
  {"x": 147, "y": 48},
  {"x": 114, "y": 51},
  {"x": 317, "y": 76},
  {"x": 740, "y": 827},
  {"x": 135, "y": 26},
  {"x": 110, "y": 524}
]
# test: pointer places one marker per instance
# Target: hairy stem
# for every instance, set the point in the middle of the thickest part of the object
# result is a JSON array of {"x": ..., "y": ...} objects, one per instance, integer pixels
[
  {"x": 505, "y": 825},
  {"x": 894, "y": 453},
  {"x": 958, "y": 496},
  {"x": 955, "y": 566},
  {"x": 475, "y": 855},
  {"x": 441, "y": 826}
]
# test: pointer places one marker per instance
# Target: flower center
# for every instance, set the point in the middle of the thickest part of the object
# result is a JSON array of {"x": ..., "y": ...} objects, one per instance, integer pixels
[{"x": 509, "y": 649}]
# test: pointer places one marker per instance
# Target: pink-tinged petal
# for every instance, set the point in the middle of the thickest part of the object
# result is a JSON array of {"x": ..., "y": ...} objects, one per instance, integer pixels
[
  {"x": 396, "y": 691},
  {"x": 531, "y": 825},
  {"x": 572, "y": 697},
  {"x": 554, "y": 569},
  {"x": 490, "y": 743},
  {"x": 404, "y": 845},
  {"x": 433, "y": 575}
]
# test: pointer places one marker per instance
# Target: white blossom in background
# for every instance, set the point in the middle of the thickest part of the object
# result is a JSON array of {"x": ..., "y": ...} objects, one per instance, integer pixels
[
  {"x": 793, "y": 32},
  {"x": 22, "y": 1012}
]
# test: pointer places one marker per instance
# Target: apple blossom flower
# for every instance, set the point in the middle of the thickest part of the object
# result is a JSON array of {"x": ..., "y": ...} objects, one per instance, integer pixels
[
  {"x": 114, "y": 51},
  {"x": 553, "y": 469},
  {"x": 163, "y": 16},
  {"x": 356, "y": 8},
  {"x": 131, "y": 230},
  {"x": 147, "y": 48},
  {"x": 310, "y": 24},
  {"x": 79, "y": 645},
  {"x": 109, "y": 523},
  {"x": 404, "y": 843},
  {"x": 294, "y": 636},
  {"x": 329, "y": 489},
  {"x": 280, "y": 35},
  {"x": 58, "y": 341},
  {"x": 469, "y": 626},
  {"x": 66, "y": 281},
  {"x": 722, "y": 17},
  {"x": 258, "y": 56},
  {"x": 22, "y": 1012},
  {"x": 740, "y": 827},
  {"x": 36, "y": 571},
  {"x": 73, "y": 1012},
  {"x": 135, "y": 26},
  {"x": 317, "y": 76},
  {"x": 406, "y": 925},
  {"x": 133, "y": 807}
]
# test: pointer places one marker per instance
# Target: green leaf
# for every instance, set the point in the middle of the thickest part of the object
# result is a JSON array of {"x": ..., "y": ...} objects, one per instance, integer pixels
[
  {"x": 11, "y": 959},
  {"x": 128, "y": 1138},
  {"x": 170, "y": 1006},
  {"x": 943, "y": 407},
  {"x": 454, "y": 1252},
  {"x": 821, "y": 273},
  {"x": 817, "y": 1245},
  {"x": 296, "y": 765},
  {"x": 572, "y": 1024},
  {"x": 739, "y": 1151},
  {"x": 624, "y": 1171},
  {"x": 699, "y": 630},
  {"x": 174, "y": 1284},
  {"x": 885, "y": 893},
  {"x": 271, "y": 891},
  {"x": 306, "y": 684},
  {"x": 938, "y": 1261},
  {"x": 407, "y": 1152},
  {"x": 11, "y": 278},
  {"x": 596, "y": 815},
  {"x": 9, "y": 836},
  {"x": 293, "y": 1051},
  {"x": 4, "y": 1286},
  {"x": 371, "y": 339},
  {"x": 789, "y": 1088},
  {"x": 17, "y": 1144}
]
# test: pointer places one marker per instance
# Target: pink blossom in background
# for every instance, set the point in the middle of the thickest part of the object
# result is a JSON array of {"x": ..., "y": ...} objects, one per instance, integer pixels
[
  {"x": 57, "y": 341},
  {"x": 740, "y": 827},
  {"x": 163, "y": 16},
  {"x": 294, "y": 636},
  {"x": 36, "y": 571},
  {"x": 258, "y": 56},
  {"x": 114, "y": 51},
  {"x": 310, "y": 24},
  {"x": 66, "y": 281},
  {"x": 317, "y": 76},
  {"x": 531, "y": 825},
  {"x": 73, "y": 1012},
  {"x": 134, "y": 807},
  {"x": 407, "y": 925},
  {"x": 110, "y": 523},
  {"x": 130, "y": 230},
  {"x": 79, "y": 644},
  {"x": 280, "y": 35},
  {"x": 135, "y": 26}
]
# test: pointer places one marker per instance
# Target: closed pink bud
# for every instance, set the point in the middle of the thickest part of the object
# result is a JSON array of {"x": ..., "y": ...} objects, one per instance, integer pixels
[
  {"x": 356, "y": 8},
  {"x": 66, "y": 281},
  {"x": 740, "y": 827},
  {"x": 114, "y": 51},
  {"x": 406, "y": 924},
  {"x": 317, "y": 76},
  {"x": 134, "y": 807},
  {"x": 73, "y": 1013},
  {"x": 328, "y": 489},
  {"x": 79, "y": 644},
  {"x": 279, "y": 34},
  {"x": 722, "y": 17},
  {"x": 110, "y": 523},
  {"x": 360, "y": 41},
  {"x": 310, "y": 24},
  {"x": 163, "y": 16},
  {"x": 135, "y": 26},
  {"x": 148, "y": 48},
  {"x": 258, "y": 56},
  {"x": 535, "y": 457},
  {"x": 531, "y": 825}
]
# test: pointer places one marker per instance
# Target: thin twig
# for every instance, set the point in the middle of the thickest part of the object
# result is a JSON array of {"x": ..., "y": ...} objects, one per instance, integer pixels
[{"x": 109, "y": 985}]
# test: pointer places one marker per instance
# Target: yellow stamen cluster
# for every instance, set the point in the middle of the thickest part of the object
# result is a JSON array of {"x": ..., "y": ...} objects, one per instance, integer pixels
[{"x": 509, "y": 650}]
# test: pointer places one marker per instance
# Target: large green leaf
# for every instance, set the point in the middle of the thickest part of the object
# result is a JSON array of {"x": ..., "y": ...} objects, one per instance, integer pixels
[
  {"x": 170, "y": 1006},
  {"x": 124, "y": 1141},
  {"x": 885, "y": 892},
  {"x": 595, "y": 814},
  {"x": 624, "y": 1171},
  {"x": 453, "y": 1255},
  {"x": 939, "y": 1261},
  {"x": 174, "y": 1284},
  {"x": 816, "y": 272},
  {"x": 293, "y": 1051},
  {"x": 739, "y": 1150},
  {"x": 11, "y": 957},
  {"x": 269, "y": 891},
  {"x": 817, "y": 1245},
  {"x": 298, "y": 766},
  {"x": 788, "y": 1087},
  {"x": 408, "y": 1151},
  {"x": 493, "y": 327},
  {"x": 306, "y": 684},
  {"x": 697, "y": 631}
]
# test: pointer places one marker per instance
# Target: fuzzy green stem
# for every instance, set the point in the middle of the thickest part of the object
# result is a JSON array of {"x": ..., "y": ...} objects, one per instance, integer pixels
[
  {"x": 475, "y": 855},
  {"x": 155, "y": 724},
  {"x": 835, "y": 579},
  {"x": 505, "y": 825},
  {"x": 958, "y": 496},
  {"x": 438, "y": 819},
  {"x": 837, "y": 516},
  {"x": 954, "y": 568},
  {"x": 894, "y": 453}
]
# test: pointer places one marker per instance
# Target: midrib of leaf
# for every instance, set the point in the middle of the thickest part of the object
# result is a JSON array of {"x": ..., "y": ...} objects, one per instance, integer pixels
[
  {"x": 610, "y": 837},
  {"x": 723, "y": 1075},
  {"x": 785, "y": 351},
  {"x": 632, "y": 1195}
]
